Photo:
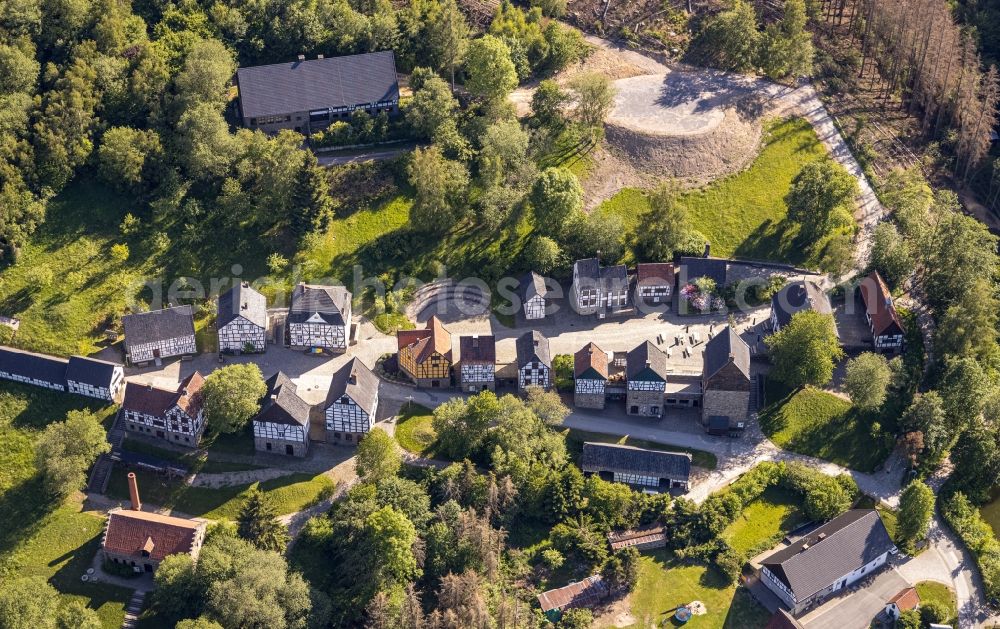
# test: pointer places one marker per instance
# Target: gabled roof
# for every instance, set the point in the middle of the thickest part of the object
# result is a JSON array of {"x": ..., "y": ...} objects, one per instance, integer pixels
[
  {"x": 798, "y": 296},
  {"x": 607, "y": 278},
  {"x": 32, "y": 365},
  {"x": 837, "y": 548},
  {"x": 905, "y": 600},
  {"x": 150, "y": 400},
  {"x": 97, "y": 373},
  {"x": 328, "y": 302},
  {"x": 478, "y": 349},
  {"x": 531, "y": 347},
  {"x": 878, "y": 304},
  {"x": 424, "y": 343},
  {"x": 655, "y": 274},
  {"x": 583, "y": 593},
  {"x": 590, "y": 363},
  {"x": 588, "y": 268},
  {"x": 692, "y": 268},
  {"x": 531, "y": 285},
  {"x": 646, "y": 362},
  {"x": 612, "y": 457},
  {"x": 128, "y": 532},
  {"x": 281, "y": 404},
  {"x": 157, "y": 326},
  {"x": 283, "y": 88},
  {"x": 356, "y": 381},
  {"x": 726, "y": 347},
  {"x": 242, "y": 301},
  {"x": 614, "y": 278}
]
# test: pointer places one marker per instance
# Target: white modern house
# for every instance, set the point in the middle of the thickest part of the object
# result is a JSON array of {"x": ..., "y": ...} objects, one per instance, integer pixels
[{"x": 242, "y": 320}]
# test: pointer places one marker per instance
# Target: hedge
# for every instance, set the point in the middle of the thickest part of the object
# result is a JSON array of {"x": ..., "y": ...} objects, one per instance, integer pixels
[{"x": 963, "y": 517}]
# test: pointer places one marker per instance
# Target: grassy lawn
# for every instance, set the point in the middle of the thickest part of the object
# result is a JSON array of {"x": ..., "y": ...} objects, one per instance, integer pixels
[
  {"x": 745, "y": 214},
  {"x": 195, "y": 460},
  {"x": 60, "y": 551},
  {"x": 288, "y": 493},
  {"x": 664, "y": 584},
  {"x": 414, "y": 431},
  {"x": 390, "y": 323},
  {"x": 575, "y": 439},
  {"x": 770, "y": 517},
  {"x": 816, "y": 423},
  {"x": 934, "y": 591}
]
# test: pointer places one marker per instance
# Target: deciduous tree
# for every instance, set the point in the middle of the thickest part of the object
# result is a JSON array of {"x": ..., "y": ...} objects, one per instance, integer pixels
[
  {"x": 916, "y": 506},
  {"x": 867, "y": 380},
  {"x": 820, "y": 197},
  {"x": 806, "y": 350},
  {"x": 67, "y": 449},
  {"x": 491, "y": 72},
  {"x": 232, "y": 396},
  {"x": 377, "y": 456},
  {"x": 555, "y": 198}
]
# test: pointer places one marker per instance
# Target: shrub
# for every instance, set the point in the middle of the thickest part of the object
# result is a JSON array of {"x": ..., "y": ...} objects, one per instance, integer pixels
[{"x": 976, "y": 534}]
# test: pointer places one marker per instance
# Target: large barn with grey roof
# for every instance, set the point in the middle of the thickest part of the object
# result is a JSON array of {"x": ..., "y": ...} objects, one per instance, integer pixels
[{"x": 307, "y": 95}]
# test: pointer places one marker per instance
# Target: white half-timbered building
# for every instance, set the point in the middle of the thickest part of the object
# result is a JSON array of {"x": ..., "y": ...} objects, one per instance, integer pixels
[
  {"x": 654, "y": 469},
  {"x": 320, "y": 316},
  {"x": 533, "y": 294},
  {"x": 534, "y": 362},
  {"x": 590, "y": 377},
  {"x": 242, "y": 320},
  {"x": 351, "y": 404},
  {"x": 174, "y": 416},
  {"x": 34, "y": 369},
  {"x": 282, "y": 425},
  {"x": 654, "y": 283},
  {"x": 646, "y": 374},
  {"x": 597, "y": 289},
  {"x": 94, "y": 378},
  {"x": 159, "y": 334},
  {"x": 477, "y": 363}
]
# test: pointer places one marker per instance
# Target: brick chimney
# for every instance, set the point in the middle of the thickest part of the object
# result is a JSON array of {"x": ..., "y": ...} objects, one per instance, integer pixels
[{"x": 133, "y": 492}]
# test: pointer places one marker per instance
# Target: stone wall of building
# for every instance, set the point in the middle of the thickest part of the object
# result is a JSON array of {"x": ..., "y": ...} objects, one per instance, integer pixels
[
  {"x": 588, "y": 400},
  {"x": 646, "y": 403},
  {"x": 733, "y": 404}
]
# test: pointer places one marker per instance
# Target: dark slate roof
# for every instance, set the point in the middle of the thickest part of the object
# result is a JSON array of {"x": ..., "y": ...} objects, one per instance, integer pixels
[
  {"x": 840, "y": 546},
  {"x": 158, "y": 325},
  {"x": 646, "y": 362},
  {"x": 478, "y": 349},
  {"x": 798, "y": 296},
  {"x": 723, "y": 346},
  {"x": 329, "y": 302},
  {"x": 362, "y": 387},
  {"x": 612, "y": 457},
  {"x": 532, "y": 346},
  {"x": 532, "y": 284},
  {"x": 31, "y": 365},
  {"x": 281, "y": 404},
  {"x": 692, "y": 268},
  {"x": 90, "y": 371},
  {"x": 589, "y": 268},
  {"x": 614, "y": 278},
  {"x": 283, "y": 88},
  {"x": 242, "y": 301}
]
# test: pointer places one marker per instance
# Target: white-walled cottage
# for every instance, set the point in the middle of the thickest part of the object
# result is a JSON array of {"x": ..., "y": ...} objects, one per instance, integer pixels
[
  {"x": 34, "y": 369},
  {"x": 534, "y": 362},
  {"x": 597, "y": 289},
  {"x": 590, "y": 377},
  {"x": 533, "y": 293},
  {"x": 351, "y": 404},
  {"x": 94, "y": 378},
  {"x": 282, "y": 424},
  {"x": 320, "y": 316},
  {"x": 175, "y": 416},
  {"x": 477, "y": 363},
  {"x": 242, "y": 320},
  {"x": 159, "y": 334},
  {"x": 654, "y": 283}
]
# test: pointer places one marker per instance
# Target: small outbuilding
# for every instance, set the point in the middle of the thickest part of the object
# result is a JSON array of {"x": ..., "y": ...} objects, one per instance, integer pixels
[
  {"x": 654, "y": 469},
  {"x": 588, "y": 592}
]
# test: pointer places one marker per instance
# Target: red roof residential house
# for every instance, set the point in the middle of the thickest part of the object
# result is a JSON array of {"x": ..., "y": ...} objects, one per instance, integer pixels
[{"x": 880, "y": 313}]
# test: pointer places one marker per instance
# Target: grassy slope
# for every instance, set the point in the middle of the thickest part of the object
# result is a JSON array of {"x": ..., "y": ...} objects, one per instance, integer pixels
[
  {"x": 816, "y": 423},
  {"x": 288, "y": 493},
  {"x": 575, "y": 439},
  {"x": 774, "y": 514},
  {"x": 934, "y": 591},
  {"x": 664, "y": 584},
  {"x": 414, "y": 431},
  {"x": 745, "y": 214}
]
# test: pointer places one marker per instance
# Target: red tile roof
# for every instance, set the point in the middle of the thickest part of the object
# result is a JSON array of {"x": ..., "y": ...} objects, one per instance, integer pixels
[
  {"x": 129, "y": 532},
  {"x": 655, "y": 273},
  {"x": 878, "y": 303},
  {"x": 590, "y": 357},
  {"x": 906, "y": 599},
  {"x": 150, "y": 400},
  {"x": 580, "y": 594},
  {"x": 434, "y": 338}
]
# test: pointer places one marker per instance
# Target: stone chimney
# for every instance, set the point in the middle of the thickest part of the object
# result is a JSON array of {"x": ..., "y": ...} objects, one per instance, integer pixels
[{"x": 133, "y": 492}]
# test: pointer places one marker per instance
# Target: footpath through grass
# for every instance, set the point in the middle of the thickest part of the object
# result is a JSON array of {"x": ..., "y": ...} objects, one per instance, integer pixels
[
  {"x": 820, "y": 424},
  {"x": 745, "y": 214}
]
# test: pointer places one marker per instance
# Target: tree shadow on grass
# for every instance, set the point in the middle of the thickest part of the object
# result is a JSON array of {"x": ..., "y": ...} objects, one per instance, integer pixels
[
  {"x": 23, "y": 509},
  {"x": 777, "y": 241}
]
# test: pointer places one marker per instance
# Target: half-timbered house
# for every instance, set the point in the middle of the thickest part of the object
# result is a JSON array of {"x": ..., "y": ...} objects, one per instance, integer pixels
[
  {"x": 653, "y": 469},
  {"x": 94, "y": 378},
  {"x": 880, "y": 313},
  {"x": 654, "y": 283},
  {"x": 533, "y": 293},
  {"x": 174, "y": 416},
  {"x": 477, "y": 359},
  {"x": 590, "y": 377},
  {"x": 159, "y": 334},
  {"x": 282, "y": 424},
  {"x": 319, "y": 317},
  {"x": 534, "y": 362},
  {"x": 425, "y": 355},
  {"x": 34, "y": 369},
  {"x": 242, "y": 320},
  {"x": 646, "y": 380},
  {"x": 726, "y": 382},
  {"x": 597, "y": 289},
  {"x": 140, "y": 540},
  {"x": 351, "y": 404}
]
